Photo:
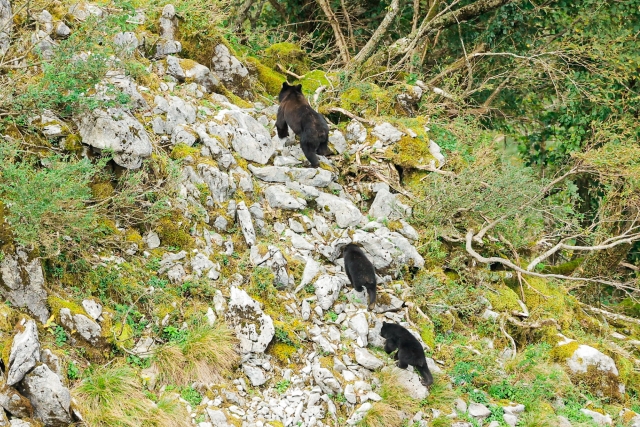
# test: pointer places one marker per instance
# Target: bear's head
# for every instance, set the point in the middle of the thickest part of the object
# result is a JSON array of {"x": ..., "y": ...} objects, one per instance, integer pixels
[
  {"x": 385, "y": 330},
  {"x": 288, "y": 89}
]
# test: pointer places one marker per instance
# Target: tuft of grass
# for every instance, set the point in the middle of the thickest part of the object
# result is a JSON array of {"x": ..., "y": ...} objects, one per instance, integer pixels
[
  {"x": 203, "y": 353},
  {"x": 382, "y": 415},
  {"x": 394, "y": 394},
  {"x": 113, "y": 397}
]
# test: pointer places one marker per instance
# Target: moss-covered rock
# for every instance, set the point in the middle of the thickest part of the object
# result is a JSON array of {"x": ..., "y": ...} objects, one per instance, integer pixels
[
  {"x": 504, "y": 299},
  {"x": 312, "y": 80},
  {"x": 288, "y": 55},
  {"x": 270, "y": 79},
  {"x": 174, "y": 234},
  {"x": 102, "y": 190}
]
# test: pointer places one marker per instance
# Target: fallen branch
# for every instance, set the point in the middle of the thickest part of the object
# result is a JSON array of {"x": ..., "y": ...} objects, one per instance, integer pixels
[
  {"x": 290, "y": 73},
  {"x": 508, "y": 263},
  {"x": 534, "y": 325},
  {"x": 351, "y": 115},
  {"x": 509, "y": 337},
  {"x": 422, "y": 85},
  {"x": 430, "y": 168},
  {"x": 614, "y": 316},
  {"x": 630, "y": 266},
  {"x": 620, "y": 240}
]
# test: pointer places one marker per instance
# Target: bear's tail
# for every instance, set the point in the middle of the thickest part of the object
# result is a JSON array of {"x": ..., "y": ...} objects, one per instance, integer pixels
[
  {"x": 427, "y": 379},
  {"x": 372, "y": 297}
]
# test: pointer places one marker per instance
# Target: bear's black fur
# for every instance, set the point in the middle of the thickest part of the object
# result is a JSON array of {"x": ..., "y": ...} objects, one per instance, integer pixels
[
  {"x": 360, "y": 271},
  {"x": 295, "y": 112},
  {"x": 410, "y": 350}
]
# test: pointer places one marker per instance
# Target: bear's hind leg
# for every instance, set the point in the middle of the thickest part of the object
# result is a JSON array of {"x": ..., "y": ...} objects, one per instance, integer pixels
[
  {"x": 309, "y": 153},
  {"x": 281, "y": 125}
]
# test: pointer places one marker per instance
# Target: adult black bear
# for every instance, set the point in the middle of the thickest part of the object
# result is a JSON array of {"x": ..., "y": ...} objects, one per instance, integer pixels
[
  {"x": 410, "y": 350},
  {"x": 296, "y": 113},
  {"x": 360, "y": 271}
]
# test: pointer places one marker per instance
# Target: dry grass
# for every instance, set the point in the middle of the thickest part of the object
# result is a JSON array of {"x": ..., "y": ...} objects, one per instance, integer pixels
[
  {"x": 203, "y": 355},
  {"x": 382, "y": 415},
  {"x": 394, "y": 394},
  {"x": 113, "y": 397}
]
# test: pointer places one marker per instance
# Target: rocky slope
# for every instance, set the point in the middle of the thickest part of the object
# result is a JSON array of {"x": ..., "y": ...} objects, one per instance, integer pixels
[{"x": 263, "y": 234}]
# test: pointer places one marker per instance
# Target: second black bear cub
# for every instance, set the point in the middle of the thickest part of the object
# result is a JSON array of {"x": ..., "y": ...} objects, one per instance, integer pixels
[
  {"x": 360, "y": 271},
  {"x": 295, "y": 112},
  {"x": 410, "y": 350}
]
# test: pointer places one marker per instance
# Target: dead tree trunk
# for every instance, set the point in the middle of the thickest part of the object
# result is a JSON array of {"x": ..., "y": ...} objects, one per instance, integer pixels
[
  {"x": 340, "y": 40},
  {"x": 374, "y": 41},
  {"x": 242, "y": 13}
]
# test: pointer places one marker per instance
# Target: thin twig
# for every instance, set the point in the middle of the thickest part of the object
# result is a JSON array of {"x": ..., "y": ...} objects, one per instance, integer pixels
[{"x": 291, "y": 73}]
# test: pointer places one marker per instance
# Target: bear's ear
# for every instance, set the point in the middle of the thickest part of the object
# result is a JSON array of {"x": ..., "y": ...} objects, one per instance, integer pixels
[
  {"x": 298, "y": 88},
  {"x": 384, "y": 323},
  {"x": 285, "y": 85}
]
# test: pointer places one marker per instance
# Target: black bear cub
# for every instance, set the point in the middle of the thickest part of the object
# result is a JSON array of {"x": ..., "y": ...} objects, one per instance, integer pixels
[
  {"x": 295, "y": 112},
  {"x": 410, "y": 350},
  {"x": 360, "y": 271}
]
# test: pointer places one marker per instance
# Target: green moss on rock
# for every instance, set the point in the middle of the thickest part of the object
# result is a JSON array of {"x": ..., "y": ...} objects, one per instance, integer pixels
[
  {"x": 505, "y": 299},
  {"x": 289, "y": 55},
  {"x": 172, "y": 234},
  {"x": 312, "y": 80},
  {"x": 270, "y": 79}
]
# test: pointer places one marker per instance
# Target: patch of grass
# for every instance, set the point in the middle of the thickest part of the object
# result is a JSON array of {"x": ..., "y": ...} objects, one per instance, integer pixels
[
  {"x": 73, "y": 373},
  {"x": 200, "y": 353},
  {"x": 282, "y": 386},
  {"x": 394, "y": 394},
  {"x": 191, "y": 395},
  {"x": 441, "y": 395},
  {"x": 112, "y": 396},
  {"x": 382, "y": 415}
]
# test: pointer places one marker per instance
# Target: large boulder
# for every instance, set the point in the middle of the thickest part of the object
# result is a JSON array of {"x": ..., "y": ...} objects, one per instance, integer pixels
[
  {"x": 87, "y": 328},
  {"x": 175, "y": 111},
  {"x": 388, "y": 250},
  {"x": 14, "y": 403},
  {"x": 346, "y": 214},
  {"x": 51, "y": 400},
  {"x": 587, "y": 363},
  {"x": 253, "y": 327},
  {"x": 280, "y": 197},
  {"x": 22, "y": 284},
  {"x": 409, "y": 380},
  {"x": 6, "y": 26},
  {"x": 25, "y": 351},
  {"x": 233, "y": 74},
  {"x": 386, "y": 205},
  {"x": 250, "y": 139},
  {"x": 115, "y": 129},
  {"x": 328, "y": 289}
]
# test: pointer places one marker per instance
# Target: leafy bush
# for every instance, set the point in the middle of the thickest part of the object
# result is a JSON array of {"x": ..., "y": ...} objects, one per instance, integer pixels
[{"x": 47, "y": 207}]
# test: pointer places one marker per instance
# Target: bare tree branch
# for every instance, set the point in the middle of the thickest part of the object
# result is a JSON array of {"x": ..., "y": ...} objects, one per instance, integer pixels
[
  {"x": 374, "y": 41},
  {"x": 628, "y": 240},
  {"x": 352, "y": 40},
  {"x": 430, "y": 26}
]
